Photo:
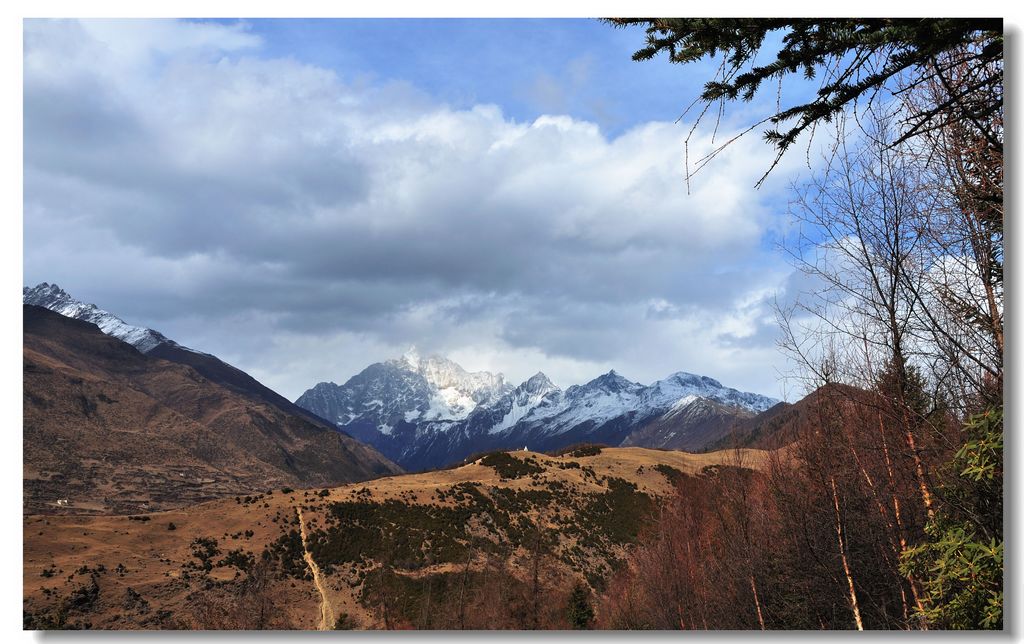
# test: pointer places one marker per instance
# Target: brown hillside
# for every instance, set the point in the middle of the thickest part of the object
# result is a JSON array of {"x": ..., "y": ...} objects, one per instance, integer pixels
[
  {"x": 786, "y": 422},
  {"x": 113, "y": 431}
]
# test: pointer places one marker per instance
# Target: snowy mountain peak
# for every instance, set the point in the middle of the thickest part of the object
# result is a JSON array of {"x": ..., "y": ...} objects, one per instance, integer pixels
[
  {"x": 45, "y": 292},
  {"x": 442, "y": 373},
  {"x": 681, "y": 384},
  {"x": 612, "y": 382},
  {"x": 693, "y": 380},
  {"x": 56, "y": 299},
  {"x": 538, "y": 383},
  {"x": 408, "y": 390}
]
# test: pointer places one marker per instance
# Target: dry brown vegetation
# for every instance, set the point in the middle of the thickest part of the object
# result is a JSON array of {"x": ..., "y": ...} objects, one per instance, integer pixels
[
  {"x": 458, "y": 548},
  {"x": 811, "y": 540}
]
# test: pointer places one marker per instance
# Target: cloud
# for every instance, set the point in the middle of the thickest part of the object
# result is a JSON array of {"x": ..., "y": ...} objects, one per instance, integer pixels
[{"x": 264, "y": 210}]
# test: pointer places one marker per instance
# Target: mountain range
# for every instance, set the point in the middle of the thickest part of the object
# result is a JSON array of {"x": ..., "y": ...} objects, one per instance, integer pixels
[{"x": 430, "y": 412}]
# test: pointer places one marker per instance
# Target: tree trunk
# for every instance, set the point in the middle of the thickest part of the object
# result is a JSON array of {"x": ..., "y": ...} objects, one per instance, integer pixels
[
  {"x": 842, "y": 555},
  {"x": 757, "y": 603}
]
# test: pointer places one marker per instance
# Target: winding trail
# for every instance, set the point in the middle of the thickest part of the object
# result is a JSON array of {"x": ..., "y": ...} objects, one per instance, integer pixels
[{"x": 326, "y": 610}]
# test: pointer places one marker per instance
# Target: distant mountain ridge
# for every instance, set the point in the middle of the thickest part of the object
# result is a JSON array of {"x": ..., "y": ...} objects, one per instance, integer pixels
[
  {"x": 425, "y": 413},
  {"x": 157, "y": 345}
]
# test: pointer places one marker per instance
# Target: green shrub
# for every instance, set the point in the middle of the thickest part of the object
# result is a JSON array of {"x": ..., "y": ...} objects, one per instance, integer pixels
[
  {"x": 579, "y": 450},
  {"x": 674, "y": 476},
  {"x": 510, "y": 467},
  {"x": 240, "y": 559}
]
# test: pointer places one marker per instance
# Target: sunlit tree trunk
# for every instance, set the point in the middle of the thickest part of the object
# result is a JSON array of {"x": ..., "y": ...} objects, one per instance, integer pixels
[{"x": 855, "y": 607}]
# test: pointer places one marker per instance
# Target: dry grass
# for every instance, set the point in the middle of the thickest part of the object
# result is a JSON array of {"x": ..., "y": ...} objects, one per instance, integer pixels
[{"x": 153, "y": 556}]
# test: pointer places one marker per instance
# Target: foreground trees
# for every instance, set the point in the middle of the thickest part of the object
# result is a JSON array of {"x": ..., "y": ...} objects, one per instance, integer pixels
[
  {"x": 834, "y": 534},
  {"x": 886, "y": 511},
  {"x": 813, "y": 541}
]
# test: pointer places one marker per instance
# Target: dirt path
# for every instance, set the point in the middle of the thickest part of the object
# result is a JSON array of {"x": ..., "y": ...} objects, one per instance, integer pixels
[{"x": 326, "y": 610}]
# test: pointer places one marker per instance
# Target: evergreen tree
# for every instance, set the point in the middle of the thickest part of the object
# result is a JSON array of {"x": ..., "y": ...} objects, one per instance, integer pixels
[
  {"x": 856, "y": 57},
  {"x": 960, "y": 564},
  {"x": 580, "y": 612}
]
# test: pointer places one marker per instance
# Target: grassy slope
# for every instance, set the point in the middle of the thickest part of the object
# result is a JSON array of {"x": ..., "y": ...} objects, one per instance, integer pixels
[{"x": 426, "y": 526}]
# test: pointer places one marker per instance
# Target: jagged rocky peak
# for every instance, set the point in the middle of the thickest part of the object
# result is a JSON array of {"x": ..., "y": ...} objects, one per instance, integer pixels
[
  {"x": 681, "y": 384},
  {"x": 410, "y": 358},
  {"x": 325, "y": 386},
  {"x": 538, "y": 383},
  {"x": 425, "y": 412},
  {"x": 44, "y": 295},
  {"x": 410, "y": 389}
]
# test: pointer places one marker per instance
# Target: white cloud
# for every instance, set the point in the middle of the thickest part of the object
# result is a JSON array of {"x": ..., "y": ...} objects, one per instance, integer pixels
[
  {"x": 266, "y": 211},
  {"x": 141, "y": 38}
]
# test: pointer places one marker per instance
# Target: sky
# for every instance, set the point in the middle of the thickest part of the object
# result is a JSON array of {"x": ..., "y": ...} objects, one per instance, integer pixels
[{"x": 304, "y": 198}]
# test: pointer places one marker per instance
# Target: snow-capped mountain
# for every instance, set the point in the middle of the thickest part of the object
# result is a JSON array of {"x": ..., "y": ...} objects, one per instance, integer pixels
[
  {"x": 408, "y": 390},
  {"x": 533, "y": 398},
  {"x": 430, "y": 412},
  {"x": 53, "y": 297},
  {"x": 672, "y": 389}
]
